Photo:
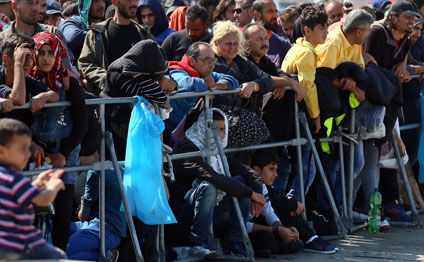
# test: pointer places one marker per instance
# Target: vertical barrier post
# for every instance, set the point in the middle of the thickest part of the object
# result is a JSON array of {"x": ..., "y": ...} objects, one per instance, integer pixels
[
  {"x": 337, "y": 218},
  {"x": 131, "y": 227},
  {"x": 405, "y": 179},
  {"x": 208, "y": 131},
  {"x": 102, "y": 186},
  {"x": 299, "y": 157},
  {"x": 351, "y": 170},
  {"x": 246, "y": 240},
  {"x": 342, "y": 181}
]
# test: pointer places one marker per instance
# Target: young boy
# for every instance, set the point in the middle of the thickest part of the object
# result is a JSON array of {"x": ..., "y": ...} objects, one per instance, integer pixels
[
  {"x": 19, "y": 238},
  {"x": 302, "y": 58},
  {"x": 291, "y": 228}
]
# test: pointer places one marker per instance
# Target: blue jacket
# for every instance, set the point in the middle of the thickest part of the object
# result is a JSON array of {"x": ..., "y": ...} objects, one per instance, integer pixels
[
  {"x": 186, "y": 83},
  {"x": 74, "y": 32}
]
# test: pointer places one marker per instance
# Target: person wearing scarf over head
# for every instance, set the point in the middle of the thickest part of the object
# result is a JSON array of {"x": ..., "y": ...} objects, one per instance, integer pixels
[{"x": 59, "y": 130}]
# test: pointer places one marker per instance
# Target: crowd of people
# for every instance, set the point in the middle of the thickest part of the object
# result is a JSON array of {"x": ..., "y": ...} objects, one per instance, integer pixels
[{"x": 335, "y": 57}]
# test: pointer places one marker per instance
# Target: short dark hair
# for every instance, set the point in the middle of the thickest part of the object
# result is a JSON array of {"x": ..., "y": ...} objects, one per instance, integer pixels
[
  {"x": 290, "y": 14},
  {"x": 194, "y": 49},
  {"x": 418, "y": 3},
  {"x": 196, "y": 11},
  {"x": 217, "y": 116},
  {"x": 258, "y": 6},
  {"x": 14, "y": 40},
  {"x": 10, "y": 127},
  {"x": 110, "y": 12},
  {"x": 71, "y": 9},
  {"x": 221, "y": 8},
  {"x": 311, "y": 17},
  {"x": 263, "y": 157},
  {"x": 207, "y": 3}
]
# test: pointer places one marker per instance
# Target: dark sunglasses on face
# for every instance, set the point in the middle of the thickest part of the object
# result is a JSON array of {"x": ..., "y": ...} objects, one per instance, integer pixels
[{"x": 240, "y": 9}]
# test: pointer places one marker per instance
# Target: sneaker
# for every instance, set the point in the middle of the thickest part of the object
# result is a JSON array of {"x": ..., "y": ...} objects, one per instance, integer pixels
[
  {"x": 202, "y": 249},
  {"x": 359, "y": 217},
  {"x": 290, "y": 247},
  {"x": 112, "y": 255},
  {"x": 396, "y": 212},
  {"x": 319, "y": 245},
  {"x": 384, "y": 225},
  {"x": 234, "y": 247}
]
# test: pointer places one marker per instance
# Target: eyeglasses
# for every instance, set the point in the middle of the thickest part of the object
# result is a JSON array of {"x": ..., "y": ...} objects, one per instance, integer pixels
[
  {"x": 209, "y": 60},
  {"x": 240, "y": 9}
]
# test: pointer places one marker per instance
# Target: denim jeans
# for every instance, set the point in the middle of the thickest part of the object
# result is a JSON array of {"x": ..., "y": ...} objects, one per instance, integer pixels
[
  {"x": 84, "y": 241},
  {"x": 333, "y": 172},
  {"x": 309, "y": 172},
  {"x": 199, "y": 212},
  {"x": 44, "y": 251}
]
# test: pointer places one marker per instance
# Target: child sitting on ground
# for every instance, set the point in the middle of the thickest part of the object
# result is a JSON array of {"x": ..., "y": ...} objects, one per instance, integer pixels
[
  {"x": 268, "y": 233},
  {"x": 19, "y": 238}
]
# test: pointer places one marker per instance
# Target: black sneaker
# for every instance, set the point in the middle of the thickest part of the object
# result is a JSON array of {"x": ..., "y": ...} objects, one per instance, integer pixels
[{"x": 318, "y": 245}]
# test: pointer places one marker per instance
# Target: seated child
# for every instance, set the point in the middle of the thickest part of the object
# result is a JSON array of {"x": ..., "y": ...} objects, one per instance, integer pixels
[
  {"x": 279, "y": 232},
  {"x": 19, "y": 238}
]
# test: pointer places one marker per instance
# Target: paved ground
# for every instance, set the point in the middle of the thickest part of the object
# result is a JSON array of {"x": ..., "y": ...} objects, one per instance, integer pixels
[{"x": 396, "y": 244}]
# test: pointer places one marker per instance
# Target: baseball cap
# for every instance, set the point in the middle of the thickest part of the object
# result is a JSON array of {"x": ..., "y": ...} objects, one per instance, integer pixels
[
  {"x": 53, "y": 7},
  {"x": 418, "y": 20},
  {"x": 405, "y": 7},
  {"x": 356, "y": 4}
]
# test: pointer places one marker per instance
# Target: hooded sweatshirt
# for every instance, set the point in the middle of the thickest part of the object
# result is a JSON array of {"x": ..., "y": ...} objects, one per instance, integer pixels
[
  {"x": 302, "y": 59},
  {"x": 160, "y": 29}
]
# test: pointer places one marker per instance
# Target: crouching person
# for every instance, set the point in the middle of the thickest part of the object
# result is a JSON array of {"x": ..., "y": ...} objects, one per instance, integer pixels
[
  {"x": 268, "y": 233},
  {"x": 84, "y": 240},
  {"x": 19, "y": 238},
  {"x": 201, "y": 194}
]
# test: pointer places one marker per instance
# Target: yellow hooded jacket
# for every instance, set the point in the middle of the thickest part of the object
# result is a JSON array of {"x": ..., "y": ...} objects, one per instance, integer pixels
[{"x": 302, "y": 59}]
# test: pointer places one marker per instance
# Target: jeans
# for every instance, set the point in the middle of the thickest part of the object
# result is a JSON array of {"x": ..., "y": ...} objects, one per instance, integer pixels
[
  {"x": 84, "y": 241},
  {"x": 412, "y": 115},
  {"x": 309, "y": 172},
  {"x": 72, "y": 160},
  {"x": 43, "y": 252},
  {"x": 199, "y": 212},
  {"x": 368, "y": 177}
]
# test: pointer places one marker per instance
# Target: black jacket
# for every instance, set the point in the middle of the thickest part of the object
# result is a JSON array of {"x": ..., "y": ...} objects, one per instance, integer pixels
[{"x": 186, "y": 170}]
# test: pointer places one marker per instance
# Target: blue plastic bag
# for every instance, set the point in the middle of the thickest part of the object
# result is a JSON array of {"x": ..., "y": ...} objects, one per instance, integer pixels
[
  {"x": 421, "y": 145},
  {"x": 143, "y": 181}
]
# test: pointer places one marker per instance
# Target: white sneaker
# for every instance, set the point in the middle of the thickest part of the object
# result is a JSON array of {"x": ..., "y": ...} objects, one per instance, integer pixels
[
  {"x": 384, "y": 225},
  {"x": 359, "y": 217}
]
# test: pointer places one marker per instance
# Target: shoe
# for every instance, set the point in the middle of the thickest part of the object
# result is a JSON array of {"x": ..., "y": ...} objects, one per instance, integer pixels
[
  {"x": 396, "y": 212},
  {"x": 319, "y": 245},
  {"x": 359, "y": 217},
  {"x": 202, "y": 249},
  {"x": 290, "y": 247},
  {"x": 234, "y": 247},
  {"x": 264, "y": 253},
  {"x": 384, "y": 225}
]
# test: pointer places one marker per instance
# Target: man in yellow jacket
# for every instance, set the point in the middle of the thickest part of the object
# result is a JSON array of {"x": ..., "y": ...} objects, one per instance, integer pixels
[{"x": 302, "y": 58}]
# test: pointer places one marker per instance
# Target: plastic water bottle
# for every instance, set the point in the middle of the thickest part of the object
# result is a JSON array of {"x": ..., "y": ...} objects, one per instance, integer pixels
[{"x": 374, "y": 214}]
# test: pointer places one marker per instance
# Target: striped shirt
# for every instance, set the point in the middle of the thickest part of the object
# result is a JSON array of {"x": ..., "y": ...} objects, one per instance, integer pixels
[{"x": 17, "y": 231}]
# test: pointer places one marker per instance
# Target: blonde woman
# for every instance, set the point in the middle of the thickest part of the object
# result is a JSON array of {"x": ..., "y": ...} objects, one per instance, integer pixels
[{"x": 226, "y": 43}]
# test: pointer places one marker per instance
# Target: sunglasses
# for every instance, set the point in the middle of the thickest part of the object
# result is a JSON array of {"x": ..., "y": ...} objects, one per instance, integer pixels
[{"x": 240, "y": 9}]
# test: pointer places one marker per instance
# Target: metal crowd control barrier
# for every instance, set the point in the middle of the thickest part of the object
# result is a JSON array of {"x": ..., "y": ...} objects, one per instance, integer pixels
[{"x": 300, "y": 118}]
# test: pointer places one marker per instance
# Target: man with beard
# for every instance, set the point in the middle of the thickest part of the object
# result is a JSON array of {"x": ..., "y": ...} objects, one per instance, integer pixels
[
  {"x": 265, "y": 13},
  {"x": 243, "y": 14},
  {"x": 196, "y": 22},
  {"x": 389, "y": 44},
  {"x": 107, "y": 41},
  {"x": 26, "y": 14},
  {"x": 75, "y": 29},
  {"x": 43, "y": 10}
]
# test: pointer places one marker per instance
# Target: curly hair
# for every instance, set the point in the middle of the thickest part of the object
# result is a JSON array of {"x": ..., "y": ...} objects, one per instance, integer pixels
[
  {"x": 221, "y": 8},
  {"x": 222, "y": 29},
  {"x": 312, "y": 16}
]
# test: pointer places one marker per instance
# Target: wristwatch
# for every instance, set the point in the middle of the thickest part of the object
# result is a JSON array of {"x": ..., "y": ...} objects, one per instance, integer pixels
[{"x": 275, "y": 230}]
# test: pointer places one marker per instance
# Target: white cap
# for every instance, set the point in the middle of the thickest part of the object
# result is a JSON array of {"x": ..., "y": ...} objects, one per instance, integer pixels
[{"x": 358, "y": 3}]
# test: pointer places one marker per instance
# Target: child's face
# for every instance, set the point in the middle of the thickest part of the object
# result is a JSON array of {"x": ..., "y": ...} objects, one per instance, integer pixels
[
  {"x": 268, "y": 174},
  {"x": 318, "y": 34},
  {"x": 221, "y": 128},
  {"x": 45, "y": 58},
  {"x": 16, "y": 153}
]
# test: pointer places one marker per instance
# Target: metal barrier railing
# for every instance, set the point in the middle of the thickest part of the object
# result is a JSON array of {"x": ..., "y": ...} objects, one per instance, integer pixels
[{"x": 300, "y": 120}]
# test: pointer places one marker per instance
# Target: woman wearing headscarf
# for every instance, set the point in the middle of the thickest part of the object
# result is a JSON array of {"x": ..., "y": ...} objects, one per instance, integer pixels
[{"x": 59, "y": 130}]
